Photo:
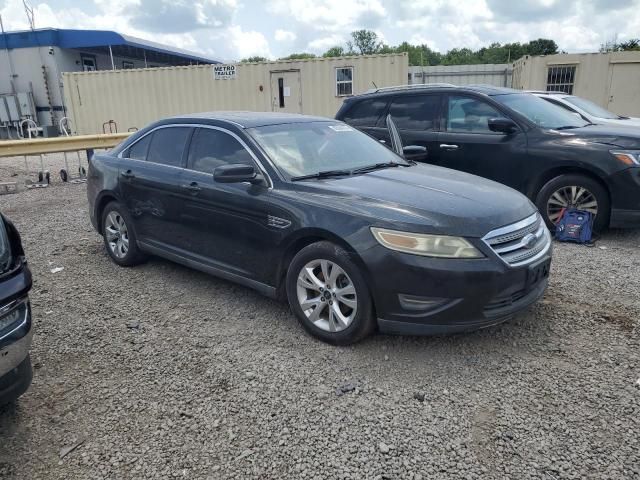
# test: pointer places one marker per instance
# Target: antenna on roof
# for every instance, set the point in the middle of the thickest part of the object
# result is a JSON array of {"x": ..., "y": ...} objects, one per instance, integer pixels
[
  {"x": 28, "y": 9},
  {"x": 374, "y": 84}
]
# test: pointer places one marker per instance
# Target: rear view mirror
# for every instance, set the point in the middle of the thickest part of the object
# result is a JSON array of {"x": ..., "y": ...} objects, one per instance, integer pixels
[
  {"x": 237, "y": 173},
  {"x": 502, "y": 125},
  {"x": 415, "y": 152}
]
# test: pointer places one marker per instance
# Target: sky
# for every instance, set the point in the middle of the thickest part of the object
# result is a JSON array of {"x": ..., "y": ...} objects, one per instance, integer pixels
[{"x": 234, "y": 29}]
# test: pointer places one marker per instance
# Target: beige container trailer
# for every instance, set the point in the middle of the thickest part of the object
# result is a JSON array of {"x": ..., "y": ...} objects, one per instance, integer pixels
[
  {"x": 612, "y": 80},
  {"x": 133, "y": 98}
]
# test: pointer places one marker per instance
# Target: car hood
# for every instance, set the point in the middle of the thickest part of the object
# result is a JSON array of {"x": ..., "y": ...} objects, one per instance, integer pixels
[
  {"x": 610, "y": 134},
  {"x": 423, "y": 198}
]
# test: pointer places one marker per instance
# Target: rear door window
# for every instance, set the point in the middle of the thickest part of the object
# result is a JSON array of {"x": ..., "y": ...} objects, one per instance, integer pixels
[
  {"x": 416, "y": 112},
  {"x": 138, "y": 151},
  {"x": 212, "y": 148},
  {"x": 469, "y": 115},
  {"x": 167, "y": 146},
  {"x": 366, "y": 113}
]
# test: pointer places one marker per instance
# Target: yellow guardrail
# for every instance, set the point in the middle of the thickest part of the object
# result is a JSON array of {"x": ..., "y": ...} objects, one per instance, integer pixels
[{"x": 37, "y": 146}]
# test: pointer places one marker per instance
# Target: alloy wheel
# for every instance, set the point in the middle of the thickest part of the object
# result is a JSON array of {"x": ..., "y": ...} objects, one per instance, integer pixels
[
  {"x": 570, "y": 197},
  {"x": 117, "y": 234},
  {"x": 326, "y": 295}
]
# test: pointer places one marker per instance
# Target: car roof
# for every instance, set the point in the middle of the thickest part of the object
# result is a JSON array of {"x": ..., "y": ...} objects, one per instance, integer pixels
[
  {"x": 430, "y": 87},
  {"x": 249, "y": 119},
  {"x": 544, "y": 92}
]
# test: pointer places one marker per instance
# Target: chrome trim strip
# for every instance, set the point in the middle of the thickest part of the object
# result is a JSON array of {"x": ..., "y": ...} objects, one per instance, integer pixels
[
  {"x": 542, "y": 231},
  {"x": 510, "y": 228}
]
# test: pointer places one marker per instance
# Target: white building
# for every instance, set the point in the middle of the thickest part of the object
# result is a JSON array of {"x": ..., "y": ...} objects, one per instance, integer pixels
[{"x": 32, "y": 63}]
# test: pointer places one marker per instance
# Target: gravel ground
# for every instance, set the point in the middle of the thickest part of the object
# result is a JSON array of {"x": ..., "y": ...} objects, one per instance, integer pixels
[{"x": 162, "y": 372}]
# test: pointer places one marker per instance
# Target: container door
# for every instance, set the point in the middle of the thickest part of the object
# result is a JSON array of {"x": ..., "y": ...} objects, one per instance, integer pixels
[
  {"x": 286, "y": 94},
  {"x": 624, "y": 92}
]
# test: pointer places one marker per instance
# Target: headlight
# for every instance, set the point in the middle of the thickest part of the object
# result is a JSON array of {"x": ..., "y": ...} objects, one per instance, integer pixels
[
  {"x": 427, "y": 245},
  {"x": 628, "y": 157},
  {"x": 14, "y": 316}
]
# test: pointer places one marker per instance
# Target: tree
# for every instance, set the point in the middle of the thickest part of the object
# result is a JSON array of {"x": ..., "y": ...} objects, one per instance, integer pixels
[
  {"x": 366, "y": 42},
  {"x": 614, "y": 46},
  {"x": 253, "y": 59},
  {"x": 298, "y": 56},
  {"x": 336, "y": 51},
  {"x": 541, "y": 46}
]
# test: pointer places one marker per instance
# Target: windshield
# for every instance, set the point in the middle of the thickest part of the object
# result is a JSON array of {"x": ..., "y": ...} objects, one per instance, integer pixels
[
  {"x": 299, "y": 149},
  {"x": 591, "y": 108},
  {"x": 5, "y": 249},
  {"x": 542, "y": 113}
]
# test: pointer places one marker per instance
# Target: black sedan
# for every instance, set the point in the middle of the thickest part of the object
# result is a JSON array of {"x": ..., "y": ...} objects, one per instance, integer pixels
[
  {"x": 557, "y": 159},
  {"x": 314, "y": 211},
  {"x": 15, "y": 315}
]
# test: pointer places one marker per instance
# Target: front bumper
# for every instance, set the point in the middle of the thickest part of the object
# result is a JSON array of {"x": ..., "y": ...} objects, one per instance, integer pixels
[
  {"x": 625, "y": 198},
  {"x": 417, "y": 295}
]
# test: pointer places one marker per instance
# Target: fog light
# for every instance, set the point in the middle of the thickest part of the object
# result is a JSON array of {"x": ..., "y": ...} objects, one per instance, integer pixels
[{"x": 422, "y": 304}]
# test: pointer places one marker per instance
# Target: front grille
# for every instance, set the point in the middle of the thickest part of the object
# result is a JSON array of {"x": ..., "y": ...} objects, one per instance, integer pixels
[{"x": 521, "y": 242}]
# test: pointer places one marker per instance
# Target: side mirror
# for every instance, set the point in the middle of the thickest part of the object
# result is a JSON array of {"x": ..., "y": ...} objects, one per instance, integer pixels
[
  {"x": 415, "y": 152},
  {"x": 502, "y": 125},
  {"x": 237, "y": 173}
]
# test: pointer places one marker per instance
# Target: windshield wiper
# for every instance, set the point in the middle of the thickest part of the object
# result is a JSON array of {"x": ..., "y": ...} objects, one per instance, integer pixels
[
  {"x": 376, "y": 166},
  {"x": 322, "y": 174}
]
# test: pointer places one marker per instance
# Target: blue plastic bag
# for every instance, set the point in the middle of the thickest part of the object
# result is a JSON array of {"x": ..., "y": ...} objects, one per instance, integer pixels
[{"x": 575, "y": 226}]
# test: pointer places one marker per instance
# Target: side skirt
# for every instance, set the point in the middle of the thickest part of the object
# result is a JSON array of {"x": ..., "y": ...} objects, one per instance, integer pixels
[{"x": 264, "y": 289}]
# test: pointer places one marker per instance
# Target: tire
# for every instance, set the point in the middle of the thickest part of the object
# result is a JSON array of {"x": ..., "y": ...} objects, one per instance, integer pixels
[
  {"x": 561, "y": 187},
  {"x": 355, "y": 319},
  {"x": 121, "y": 243}
]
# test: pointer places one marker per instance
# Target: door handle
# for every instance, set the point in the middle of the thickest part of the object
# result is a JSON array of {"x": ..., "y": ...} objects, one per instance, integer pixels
[
  {"x": 192, "y": 187},
  {"x": 447, "y": 146},
  {"x": 128, "y": 174}
]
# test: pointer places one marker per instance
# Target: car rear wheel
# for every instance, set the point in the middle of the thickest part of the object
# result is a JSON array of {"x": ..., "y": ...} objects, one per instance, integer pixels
[
  {"x": 329, "y": 295},
  {"x": 574, "y": 191},
  {"x": 119, "y": 236}
]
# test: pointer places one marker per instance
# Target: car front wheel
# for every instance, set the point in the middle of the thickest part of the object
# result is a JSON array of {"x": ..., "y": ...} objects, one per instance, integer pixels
[
  {"x": 329, "y": 295},
  {"x": 574, "y": 191}
]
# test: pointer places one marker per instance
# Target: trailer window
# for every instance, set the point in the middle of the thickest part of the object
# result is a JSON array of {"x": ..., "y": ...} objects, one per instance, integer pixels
[
  {"x": 560, "y": 78},
  {"x": 344, "y": 81}
]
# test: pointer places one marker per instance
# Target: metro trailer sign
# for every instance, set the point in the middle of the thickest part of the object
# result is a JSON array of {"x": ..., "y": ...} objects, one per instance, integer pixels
[{"x": 224, "y": 72}]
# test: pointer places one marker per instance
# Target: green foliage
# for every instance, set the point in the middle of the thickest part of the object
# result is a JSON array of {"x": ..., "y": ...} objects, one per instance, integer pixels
[
  {"x": 336, "y": 51},
  {"x": 298, "y": 56},
  {"x": 253, "y": 59},
  {"x": 366, "y": 42},
  {"x": 613, "y": 46}
]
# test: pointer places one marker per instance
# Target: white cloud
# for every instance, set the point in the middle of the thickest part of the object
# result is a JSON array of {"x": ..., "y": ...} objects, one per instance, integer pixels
[
  {"x": 325, "y": 43},
  {"x": 250, "y": 43},
  {"x": 284, "y": 36}
]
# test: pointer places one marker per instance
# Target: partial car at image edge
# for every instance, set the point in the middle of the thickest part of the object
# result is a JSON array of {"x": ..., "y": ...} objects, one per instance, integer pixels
[{"x": 15, "y": 315}]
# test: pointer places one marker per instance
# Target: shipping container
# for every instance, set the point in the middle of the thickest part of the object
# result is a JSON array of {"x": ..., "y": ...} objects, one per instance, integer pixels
[
  {"x": 497, "y": 74},
  {"x": 612, "y": 80},
  {"x": 133, "y": 98}
]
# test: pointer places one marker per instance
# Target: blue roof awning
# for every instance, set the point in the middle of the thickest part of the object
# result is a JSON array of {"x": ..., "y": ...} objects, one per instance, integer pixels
[{"x": 94, "y": 39}]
